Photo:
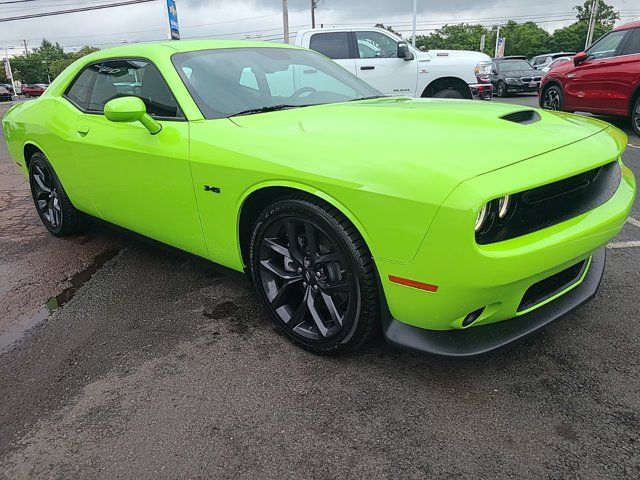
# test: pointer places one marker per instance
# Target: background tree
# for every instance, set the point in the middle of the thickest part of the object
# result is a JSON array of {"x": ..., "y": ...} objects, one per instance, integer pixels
[
  {"x": 46, "y": 61},
  {"x": 463, "y": 36},
  {"x": 605, "y": 16}
]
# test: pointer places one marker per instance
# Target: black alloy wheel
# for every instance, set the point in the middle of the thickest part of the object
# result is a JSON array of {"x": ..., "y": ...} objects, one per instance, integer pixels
[
  {"x": 501, "y": 91},
  {"x": 315, "y": 275},
  {"x": 552, "y": 98},
  {"x": 54, "y": 208},
  {"x": 635, "y": 117}
]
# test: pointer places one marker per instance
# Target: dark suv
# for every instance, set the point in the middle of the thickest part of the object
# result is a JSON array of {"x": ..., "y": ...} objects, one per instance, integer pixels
[{"x": 514, "y": 75}]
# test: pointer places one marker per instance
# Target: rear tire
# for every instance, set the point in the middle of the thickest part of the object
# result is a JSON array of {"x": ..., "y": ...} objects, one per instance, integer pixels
[
  {"x": 635, "y": 117},
  {"x": 552, "y": 98},
  {"x": 315, "y": 275},
  {"x": 54, "y": 208}
]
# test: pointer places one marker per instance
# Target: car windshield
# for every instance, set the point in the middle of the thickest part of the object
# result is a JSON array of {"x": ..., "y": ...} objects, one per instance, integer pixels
[
  {"x": 226, "y": 82},
  {"x": 514, "y": 65}
]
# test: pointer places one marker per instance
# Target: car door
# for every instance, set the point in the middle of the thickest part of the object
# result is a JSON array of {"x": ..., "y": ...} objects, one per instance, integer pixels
[
  {"x": 378, "y": 64},
  {"x": 136, "y": 180},
  {"x": 597, "y": 84},
  {"x": 338, "y": 46}
]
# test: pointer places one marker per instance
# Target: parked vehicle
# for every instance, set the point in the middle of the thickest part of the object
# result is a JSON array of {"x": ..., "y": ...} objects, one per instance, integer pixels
[
  {"x": 34, "y": 90},
  {"x": 558, "y": 61},
  {"x": 540, "y": 62},
  {"x": 603, "y": 80},
  {"x": 514, "y": 74},
  {"x": 8, "y": 86},
  {"x": 394, "y": 67},
  {"x": 350, "y": 210},
  {"x": 5, "y": 95}
]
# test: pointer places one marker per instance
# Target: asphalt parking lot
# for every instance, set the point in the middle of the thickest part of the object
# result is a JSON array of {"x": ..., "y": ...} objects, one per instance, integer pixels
[{"x": 160, "y": 365}]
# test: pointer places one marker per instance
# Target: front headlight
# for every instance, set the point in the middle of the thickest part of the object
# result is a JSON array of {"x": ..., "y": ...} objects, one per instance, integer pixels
[
  {"x": 504, "y": 203},
  {"x": 511, "y": 80},
  {"x": 481, "y": 219}
]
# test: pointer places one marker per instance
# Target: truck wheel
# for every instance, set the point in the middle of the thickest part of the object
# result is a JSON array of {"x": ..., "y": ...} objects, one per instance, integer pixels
[
  {"x": 635, "y": 117},
  {"x": 448, "y": 93}
]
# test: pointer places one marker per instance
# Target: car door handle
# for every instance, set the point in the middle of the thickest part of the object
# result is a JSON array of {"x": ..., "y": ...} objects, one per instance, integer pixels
[
  {"x": 82, "y": 131},
  {"x": 367, "y": 67}
]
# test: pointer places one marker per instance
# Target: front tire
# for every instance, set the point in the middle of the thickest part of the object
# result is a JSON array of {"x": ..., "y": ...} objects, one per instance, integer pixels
[
  {"x": 501, "y": 90},
  {"x": 315, "y": 275},
  {"x": 552, "y": 98},
  {"x": 448, "y": 93},
  {"x": 54, "y": 208},
  {"x": 635, "y": 117}
]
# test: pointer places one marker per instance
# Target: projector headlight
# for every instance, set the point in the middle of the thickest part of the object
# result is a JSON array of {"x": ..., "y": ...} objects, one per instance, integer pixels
[
  {"x": 504, "y": 204},
  {"x": 511, "y": 80},
  {"x": 481, "y": 219}
]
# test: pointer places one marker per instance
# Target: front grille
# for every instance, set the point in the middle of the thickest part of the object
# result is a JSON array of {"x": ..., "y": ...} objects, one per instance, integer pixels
[
  {"x": 554, "y": 203},
  {"x": 550, "y": 286},
  {"x": 530, "y": 79}
]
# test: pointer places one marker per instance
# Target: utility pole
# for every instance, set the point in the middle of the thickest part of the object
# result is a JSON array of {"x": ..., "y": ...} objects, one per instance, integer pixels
[
  {"x": 26, "y": 51},
  {"x": 313, "y": 13},
  {"x": 592, "y": 23},
  {"x": 285, "y": 20},
  {"x": 415, "y": 14},
  {"x": 10, "y": 73}
]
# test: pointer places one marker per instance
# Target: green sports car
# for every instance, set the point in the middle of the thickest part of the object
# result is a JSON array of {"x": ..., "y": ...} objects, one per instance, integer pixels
[{"x": 455, "y": 227}]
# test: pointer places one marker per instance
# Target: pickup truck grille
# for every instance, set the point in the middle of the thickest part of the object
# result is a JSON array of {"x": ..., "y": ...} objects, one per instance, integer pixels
[{"x": 553, "y": 203}]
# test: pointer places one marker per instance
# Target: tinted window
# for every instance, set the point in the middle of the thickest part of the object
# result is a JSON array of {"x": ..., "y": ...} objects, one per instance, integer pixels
[
  {"x": 102, "y": 82},
  {"x": 228, "y": 81},
  {"x": 606, "y": 46},
  {"x": 333, "y": 45},
  {"x": 513, "y": 66},
  {"x": 633, "y": 44},
  {"x": 376, "y": 45}
]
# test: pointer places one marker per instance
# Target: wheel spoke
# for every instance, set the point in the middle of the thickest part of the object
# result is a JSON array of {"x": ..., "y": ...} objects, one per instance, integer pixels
[
  {"x": 42, "y": 205},
  {"x": 336, "y": 287},
  {"x": 279, "y": 271},
  {"x": 329, "y": 257},
  {"x": 276, "y": 247},
  {"x": 276, "y": 302},
  {"x": 312, "y": 243},
  {"x": 298, "y": 316},
  {"x": 317, "y": 318},
  {"x": 292, "y": 236},
  {"x": 40, "y": 181},
  {"x": 52, "y": 218},
  {"x": 333, "y": 311}
]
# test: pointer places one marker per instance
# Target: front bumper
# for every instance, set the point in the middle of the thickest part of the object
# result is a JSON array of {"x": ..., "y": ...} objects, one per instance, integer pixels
[
  {"x": 522, "y": 87},
  {"x": 483, "y": 339},
  {"x": 481, "y": 91}
]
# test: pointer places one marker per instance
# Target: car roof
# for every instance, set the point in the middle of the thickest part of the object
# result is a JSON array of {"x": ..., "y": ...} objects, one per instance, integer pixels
[
  {"x": 626, "y": 26},
  {"x": 510, "y": 57}
]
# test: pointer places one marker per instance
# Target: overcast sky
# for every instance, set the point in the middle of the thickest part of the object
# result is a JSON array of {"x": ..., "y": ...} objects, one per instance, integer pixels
[{"x": 263, "y": 18}]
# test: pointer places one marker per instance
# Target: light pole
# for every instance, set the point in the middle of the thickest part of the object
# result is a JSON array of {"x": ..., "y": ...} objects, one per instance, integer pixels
[
  {"x": 285, "y": 21},
  {"x": 415, "y": 14},
  {"x": 13, "y": 83}
]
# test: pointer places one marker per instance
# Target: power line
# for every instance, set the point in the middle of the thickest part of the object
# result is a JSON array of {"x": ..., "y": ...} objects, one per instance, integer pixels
[{"x": 73, "y": 10}]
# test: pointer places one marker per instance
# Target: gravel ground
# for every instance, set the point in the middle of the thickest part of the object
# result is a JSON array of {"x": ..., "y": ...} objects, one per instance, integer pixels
[{"x": 164, "y": 366}]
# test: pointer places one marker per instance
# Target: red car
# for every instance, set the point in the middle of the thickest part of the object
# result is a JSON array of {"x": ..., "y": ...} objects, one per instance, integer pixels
[
  {"x": 603, "y": 80},
  {"x": 33, "y": 90}
]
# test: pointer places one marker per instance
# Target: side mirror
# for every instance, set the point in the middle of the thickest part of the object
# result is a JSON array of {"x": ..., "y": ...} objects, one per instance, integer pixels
[
  {"x": 130, "y": 109},
  {"x": 579, "y": 58},
  {"x": 404, "y": 52}
]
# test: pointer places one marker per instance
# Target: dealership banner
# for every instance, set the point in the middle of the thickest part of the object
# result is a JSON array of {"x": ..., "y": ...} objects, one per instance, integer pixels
[
  {"x": 500, "y": 49},
  {"x": 7, "y": 69},
  {"x": 172, "y": 13}
]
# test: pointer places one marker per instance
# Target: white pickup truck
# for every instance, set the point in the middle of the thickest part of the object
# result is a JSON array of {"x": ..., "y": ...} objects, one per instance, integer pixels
[{"x": 394, "y": 67}]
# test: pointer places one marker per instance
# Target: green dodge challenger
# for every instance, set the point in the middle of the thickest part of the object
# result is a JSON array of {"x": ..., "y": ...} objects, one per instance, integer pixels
[{"x": 454, "y": 227}]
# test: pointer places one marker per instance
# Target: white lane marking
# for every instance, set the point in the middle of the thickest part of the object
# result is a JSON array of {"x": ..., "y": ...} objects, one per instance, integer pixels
[
  {"x": 624, "y": 244},
  {"x": 633, "y": 221},
  {"x": 633, "y": 146}
]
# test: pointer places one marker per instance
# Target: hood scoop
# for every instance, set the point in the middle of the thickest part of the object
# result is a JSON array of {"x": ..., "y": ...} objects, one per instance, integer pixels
[{"x": 524, "y": 117}]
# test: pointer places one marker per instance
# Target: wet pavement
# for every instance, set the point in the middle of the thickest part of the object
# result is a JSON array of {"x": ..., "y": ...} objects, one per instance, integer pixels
[{"x": 156, "y": 364}]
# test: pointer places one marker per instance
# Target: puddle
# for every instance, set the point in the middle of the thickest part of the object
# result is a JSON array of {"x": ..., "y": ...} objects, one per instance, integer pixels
[{"x": 15, "y": 331}]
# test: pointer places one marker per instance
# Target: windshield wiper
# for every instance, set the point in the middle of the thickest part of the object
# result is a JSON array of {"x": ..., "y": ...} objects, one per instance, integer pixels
[{"x": 271, "y": 108}]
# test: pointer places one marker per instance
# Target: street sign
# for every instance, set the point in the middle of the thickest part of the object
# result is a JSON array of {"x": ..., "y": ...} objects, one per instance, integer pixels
[
  {"x": 500, "y": 49},
  {"x": 172, "y": 13}
]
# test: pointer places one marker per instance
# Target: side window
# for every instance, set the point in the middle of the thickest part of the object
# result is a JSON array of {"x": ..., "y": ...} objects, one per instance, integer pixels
[
  {"x": 120, "y": 78},
  {"x": 376, "y": 45},
  {"x": 606, "y": 46},
  {"x": 80, "y": 92},
  {"x": 633, "y": 44},
  {"x": 333, "y": 44}
]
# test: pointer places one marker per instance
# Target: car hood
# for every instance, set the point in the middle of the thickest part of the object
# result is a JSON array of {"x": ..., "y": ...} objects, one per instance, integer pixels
[{"x": 460, "y": 138}]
